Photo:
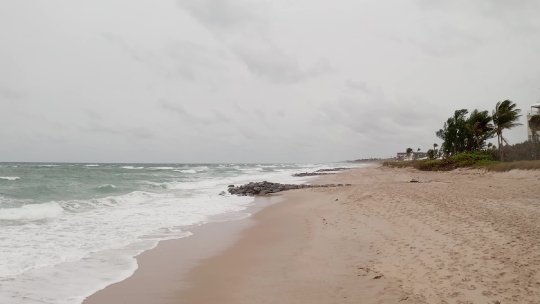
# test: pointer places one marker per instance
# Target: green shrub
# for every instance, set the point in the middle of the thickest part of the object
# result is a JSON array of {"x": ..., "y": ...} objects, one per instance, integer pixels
[
  {"x": 464, "y": 160},
  {"x": 472, "y": 159}
]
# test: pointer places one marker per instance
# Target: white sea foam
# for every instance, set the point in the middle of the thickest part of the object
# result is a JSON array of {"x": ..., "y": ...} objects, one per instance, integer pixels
[
  {"x": 106, "y": 187},
  {"x": 10, "y": 178},
  {"x": 91, "y": 165},
  {"x": 63, "y": 251},
  {"x": 267, "y": 166},
  {"x": 160, "y": 168},
  {"x": 87, "y": 226},
  {"x": 32, "y": 212},
  {"x": 132, "y": 168},
  {"x": 249, "y": 169},
  {"x": 186, "y": 171}
]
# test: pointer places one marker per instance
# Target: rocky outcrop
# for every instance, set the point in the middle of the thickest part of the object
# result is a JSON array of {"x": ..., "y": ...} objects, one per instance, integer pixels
[
  {"x": 310, "y": 174},
  {"x": 333, "y": 169},
  {"x": 320, "y": 172},
  {"x": 264, "y": 188}
]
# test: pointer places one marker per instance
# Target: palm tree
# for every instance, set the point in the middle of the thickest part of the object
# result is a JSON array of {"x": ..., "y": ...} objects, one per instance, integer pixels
[
  {"x": 409, "y": 151},
  {"x": 534, "y": 124},
  {"x": 431, "y": 153},
  {"x": 435, "y": 151},
  {"x": 505, "y": 116},
  {"x": 479, "y": 124}
]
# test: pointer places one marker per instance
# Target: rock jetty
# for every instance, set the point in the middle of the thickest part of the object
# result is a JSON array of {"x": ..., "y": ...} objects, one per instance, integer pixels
[
  {"x": 333, "y": 169},
  {"x": 264, "y": 188},
  {"x": 310, "y": 174},
  {"x": 320, "y": 172}
]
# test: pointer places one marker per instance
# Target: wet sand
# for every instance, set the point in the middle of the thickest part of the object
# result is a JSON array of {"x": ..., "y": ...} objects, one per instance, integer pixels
[{"x": 454, "y": 237}]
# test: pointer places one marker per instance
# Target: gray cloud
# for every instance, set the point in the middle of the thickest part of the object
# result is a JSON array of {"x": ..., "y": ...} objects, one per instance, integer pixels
[
  {"x": 245, "y": 33},
  {"x": 10, "y": 94},
  {"x": 93, "y": 115},
  {"x": 358, "y": 86},
  {"x": 173, "y": 107},
  {"x": 221, "y": 15},
  {"x": 255, "y": 81}
]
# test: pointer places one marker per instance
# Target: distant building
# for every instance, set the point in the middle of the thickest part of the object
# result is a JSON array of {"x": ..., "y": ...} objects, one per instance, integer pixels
[
  {"x": 401, "y": 155},
  {"x": 535, "y": 109},
  {"x": 413, "y": 155},
  {"x": 418, "y": 155}
]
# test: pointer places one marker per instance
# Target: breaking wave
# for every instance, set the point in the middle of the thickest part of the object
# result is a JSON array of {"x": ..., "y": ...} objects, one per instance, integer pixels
[{"x": 32, "y": 212}]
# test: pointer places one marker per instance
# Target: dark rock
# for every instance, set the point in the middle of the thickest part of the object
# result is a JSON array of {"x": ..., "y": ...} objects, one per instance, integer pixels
[
  {"x": 334, "y": 169},
  {"x": 310, "y": 174},
  {"x": 264, "y": 188}
]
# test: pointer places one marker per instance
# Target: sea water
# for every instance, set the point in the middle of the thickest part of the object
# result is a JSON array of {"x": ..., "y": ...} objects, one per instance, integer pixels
[{"x": 69, "y": 230}]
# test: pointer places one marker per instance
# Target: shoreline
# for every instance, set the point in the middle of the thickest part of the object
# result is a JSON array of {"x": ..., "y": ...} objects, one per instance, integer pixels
[
  {"x": 465, "y": 236},
  {"x": 206, "y": 240},
  {"x": 162, "y": 268}
]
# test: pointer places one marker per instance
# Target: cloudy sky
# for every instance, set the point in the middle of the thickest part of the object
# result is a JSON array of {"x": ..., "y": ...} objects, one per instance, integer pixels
[{"x": 254, "y": 81}]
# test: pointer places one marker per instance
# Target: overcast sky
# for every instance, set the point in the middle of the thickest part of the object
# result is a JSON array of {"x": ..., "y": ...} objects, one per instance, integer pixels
[{"x": 254, "y": 81}]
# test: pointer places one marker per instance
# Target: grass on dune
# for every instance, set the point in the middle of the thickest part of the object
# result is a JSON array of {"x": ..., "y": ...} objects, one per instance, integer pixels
[
  {"x": 465, "y": 160},
  {"x": 517, "y": 165}
]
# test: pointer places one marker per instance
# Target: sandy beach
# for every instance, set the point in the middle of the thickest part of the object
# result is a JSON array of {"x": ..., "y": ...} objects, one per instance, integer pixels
[{"x": 453, "y": 237}]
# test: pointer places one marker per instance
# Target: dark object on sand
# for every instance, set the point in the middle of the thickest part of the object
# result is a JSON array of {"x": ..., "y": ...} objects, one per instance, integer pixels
[{"x": 264, "y": 188}]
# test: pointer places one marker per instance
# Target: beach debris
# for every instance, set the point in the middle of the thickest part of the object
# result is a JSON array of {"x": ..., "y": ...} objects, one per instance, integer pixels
[
  {"x": 414, "y": 180},
  {"x": 336, "y": 199},
  {"x": 377, "y": 277},
  {"x": 223, "y": 193},
  {"x": 231, "y": 186},
  {"x": 263, "y": 188}
]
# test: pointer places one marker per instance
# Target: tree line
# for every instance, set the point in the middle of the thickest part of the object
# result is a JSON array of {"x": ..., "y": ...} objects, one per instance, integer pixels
[{"x": 464, "y": 132}]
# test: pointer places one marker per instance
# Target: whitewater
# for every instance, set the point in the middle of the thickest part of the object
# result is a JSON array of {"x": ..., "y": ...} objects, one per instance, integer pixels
[{"x": 69, "y": 230}]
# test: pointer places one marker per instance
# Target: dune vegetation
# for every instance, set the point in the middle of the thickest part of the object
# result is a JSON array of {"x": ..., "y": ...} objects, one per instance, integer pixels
[{"x": 465, "y": 143}]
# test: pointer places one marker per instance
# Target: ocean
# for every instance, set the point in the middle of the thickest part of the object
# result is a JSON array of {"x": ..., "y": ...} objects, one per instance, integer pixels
[{"x": 69, "y": 230}]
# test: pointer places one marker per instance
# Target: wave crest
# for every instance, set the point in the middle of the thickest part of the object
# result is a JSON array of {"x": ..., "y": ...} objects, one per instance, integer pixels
[
  {"x": 32, "y": 212},
  {"x": 106, "y": 188}
]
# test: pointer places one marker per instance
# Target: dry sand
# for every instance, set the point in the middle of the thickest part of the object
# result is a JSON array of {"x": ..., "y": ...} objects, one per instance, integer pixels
[{"x": 454, "y": 237}]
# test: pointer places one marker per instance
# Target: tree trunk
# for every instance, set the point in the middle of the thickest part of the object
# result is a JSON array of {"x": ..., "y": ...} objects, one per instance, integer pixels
[{"x": 501, "y": 154}]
